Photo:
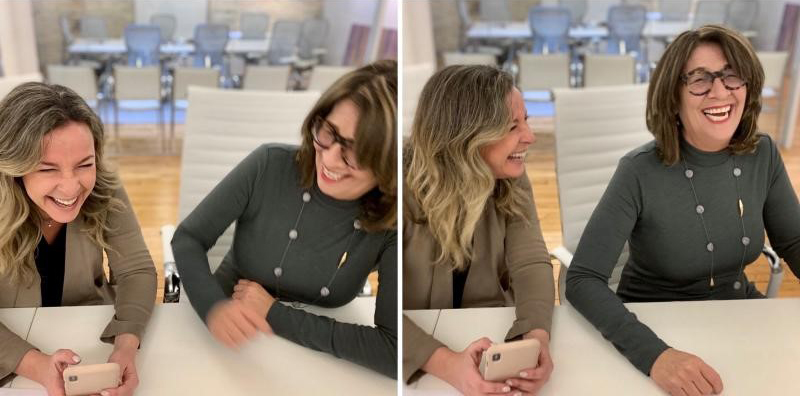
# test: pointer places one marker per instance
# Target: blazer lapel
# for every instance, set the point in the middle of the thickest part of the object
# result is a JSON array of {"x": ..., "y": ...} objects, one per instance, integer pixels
[{"x": 75, "y": 269}]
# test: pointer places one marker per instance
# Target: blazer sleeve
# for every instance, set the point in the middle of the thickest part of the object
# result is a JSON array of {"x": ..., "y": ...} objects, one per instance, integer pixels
[
  {"x": 12, "y": 349},
  {"x": 418, "y": 346},
  {"x": 132, "y": 271},
  {"x": 530, "y": 269},
  {"x": 372, "y": 347},
  {"x": 200, "y": 230}
]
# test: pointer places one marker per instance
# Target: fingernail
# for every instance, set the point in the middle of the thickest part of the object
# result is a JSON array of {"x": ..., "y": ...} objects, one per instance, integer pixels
[
  {"x": 76, "y": 358},
  {"x": 104, "y": 393},
  {"x": 509, "y": 383},
  {"x": 523, "y": 374},
  {"x": 507, "y": 389}
]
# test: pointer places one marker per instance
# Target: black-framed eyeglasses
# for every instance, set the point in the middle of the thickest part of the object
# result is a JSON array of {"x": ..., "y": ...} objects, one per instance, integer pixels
[
  {"x": 325, "y": 135},
  {"x": 700, "y": 82}
]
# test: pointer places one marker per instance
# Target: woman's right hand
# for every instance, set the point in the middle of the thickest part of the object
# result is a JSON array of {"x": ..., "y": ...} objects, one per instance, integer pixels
[
  {"x": 681, "y": 373},
  {"x": 460, "y": 369},
  {"x": 47, "y": 369},
  {"x": 233, "y": 323}
]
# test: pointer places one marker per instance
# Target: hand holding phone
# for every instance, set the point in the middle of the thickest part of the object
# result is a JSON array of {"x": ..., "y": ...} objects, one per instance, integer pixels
[
  {"x": 502, "y": 361},
  {"x": 91, "y": 378}
]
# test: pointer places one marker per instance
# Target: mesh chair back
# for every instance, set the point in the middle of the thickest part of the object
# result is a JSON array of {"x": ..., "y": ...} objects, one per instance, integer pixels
[
  {"x": 165, "y": 22},
  {"x": 142, "y": 42},
  {"x": 254, "y": 25},
  {"x": 577, "y": 10},
  {"x": 710, "y": 12},
  {"x": 494, "y": 10},
  {"x": 674, "y": 10},
  {"x": 209, "y": 44},
  {"x": 625, "y": 25},
  {"x": 313, "y": 34},
  {"x": 741, "y": 14},
  {"x": 550, "y": 28},
  {"x": 249, "y": 119},
  {"x": 283, "y": 41},
  {"x": 93, "y": 27}
]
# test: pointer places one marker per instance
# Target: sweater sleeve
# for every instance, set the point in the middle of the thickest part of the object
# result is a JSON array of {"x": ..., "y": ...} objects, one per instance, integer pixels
[
  {"x": 132, "y": 271},
  {"x": 600, "y": 246},
  {"x": 371, "y": 347},
  {"x": 782, "y": 213},
  {"x": 530, "y": 269},
  {"x": 201, "y": 229}
]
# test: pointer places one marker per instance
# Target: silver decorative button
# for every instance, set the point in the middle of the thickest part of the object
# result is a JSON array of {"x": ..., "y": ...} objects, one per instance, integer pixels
[
  {"x": 306, "y": 197},
  {"x": 278, "y": 271},
  {"x": 710, "y": 247},
  {"x": 737, "y": 172},
  {"x": 737, "y": 285},
  {"x": 357, "y": 224},
  {"x": 292, "y": 234},
  {"x": 324, "y": 292},
  {"x": 689, "y": 173},
  {"x": 700, "y": 209},
  {"x": 745, "y": 241}
]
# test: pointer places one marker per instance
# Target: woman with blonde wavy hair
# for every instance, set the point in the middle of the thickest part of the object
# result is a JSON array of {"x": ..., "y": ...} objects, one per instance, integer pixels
[
  {"x": 61, "y": 209},
  {"x": 471, "y": 234}
]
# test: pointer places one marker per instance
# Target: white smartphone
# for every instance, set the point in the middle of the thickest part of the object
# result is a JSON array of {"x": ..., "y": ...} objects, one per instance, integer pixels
[
  {"x": 506, "y": 360},
  {"x": 91, "y": 378}
]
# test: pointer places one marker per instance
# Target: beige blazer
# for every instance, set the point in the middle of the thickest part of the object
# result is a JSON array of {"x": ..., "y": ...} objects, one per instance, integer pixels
[
  {"x": 510, "y": 267},
  {"x": 131, "y": 286}
]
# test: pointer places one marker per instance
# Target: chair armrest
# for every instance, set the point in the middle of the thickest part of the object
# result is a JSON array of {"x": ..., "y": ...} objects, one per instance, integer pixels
[
  {"x": 172, "y": 280},
  {"x": 563, "y": 255},
  {"x": 775, "y": 271}
]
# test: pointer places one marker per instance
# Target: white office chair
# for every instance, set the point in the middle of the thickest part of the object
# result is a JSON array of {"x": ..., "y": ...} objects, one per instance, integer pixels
[
  {"x": 462, "y": 58},
  {"x": 266, "y": 78},
  {"x": 80, "y": 79},
  {"x": 8, "y": 83},
  {"x": 539, "y": 72},
  {"x": 592, "y": 133},
  {"x": 323, "y": 76},
  {"x": 414, "y": 79},
  {"x": 138, "y": 88},
  {"x": 222, "y": 127},
  {"x": 185, "y": 77},
  {"x": 607, "y": 69}
]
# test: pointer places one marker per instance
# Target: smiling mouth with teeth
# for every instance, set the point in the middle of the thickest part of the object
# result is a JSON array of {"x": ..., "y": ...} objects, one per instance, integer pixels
[
  {"x": 65, "y": 203},
  {"x": 718, "y": 114},
  {"x": 331, "y": 175},
  {"x": 520, "y": 156}
]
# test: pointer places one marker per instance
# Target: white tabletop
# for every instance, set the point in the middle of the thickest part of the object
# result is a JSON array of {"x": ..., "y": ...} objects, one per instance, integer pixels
[
  {"x": 18, "y": 320},
  {"x": 424, "y": 318},
  {"x": 522, "y": 30},
  {"x": 179, "y": 356},
  {"x": 117, "y": 46},
  {"x": 753, "y": 344}
]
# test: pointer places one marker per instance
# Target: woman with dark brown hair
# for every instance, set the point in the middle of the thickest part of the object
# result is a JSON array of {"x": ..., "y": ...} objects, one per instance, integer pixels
[
  {"x": 311, "y": 223},
  {"x": 693, "y": 205}
]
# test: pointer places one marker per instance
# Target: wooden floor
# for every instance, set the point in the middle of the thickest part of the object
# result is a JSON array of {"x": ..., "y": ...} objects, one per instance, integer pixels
[{"x": 152, "y": 180}]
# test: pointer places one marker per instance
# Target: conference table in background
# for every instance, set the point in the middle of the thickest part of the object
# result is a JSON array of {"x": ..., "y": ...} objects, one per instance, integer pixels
[
  {"x": 753, "y": 344},
  {"x": 179, "y": 356},
  {"x": 116, "y": 46}
]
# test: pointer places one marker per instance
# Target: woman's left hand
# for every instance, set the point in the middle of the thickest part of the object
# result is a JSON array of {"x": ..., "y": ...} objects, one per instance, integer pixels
[
  {"x": 253, "y": 295},
  {"x": 531, "y": 380},
  {"x": 124, "y": 354}
]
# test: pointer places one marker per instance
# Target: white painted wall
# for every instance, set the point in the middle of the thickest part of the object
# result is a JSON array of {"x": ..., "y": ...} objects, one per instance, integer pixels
[
  {"x": 17, "y": 38},
  {"x": 188, "y": 14}
]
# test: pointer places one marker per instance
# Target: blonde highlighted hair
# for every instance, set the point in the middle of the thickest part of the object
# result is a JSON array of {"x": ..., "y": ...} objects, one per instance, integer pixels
[
  {"x": 461, "y": 110},
  {"x": 27, "y": 114}
]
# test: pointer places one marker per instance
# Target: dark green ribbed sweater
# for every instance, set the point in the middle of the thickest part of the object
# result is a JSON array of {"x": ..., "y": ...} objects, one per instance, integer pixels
[
  {"x": 263, "y": 196},
  {"x": 651, "y": 206}
]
